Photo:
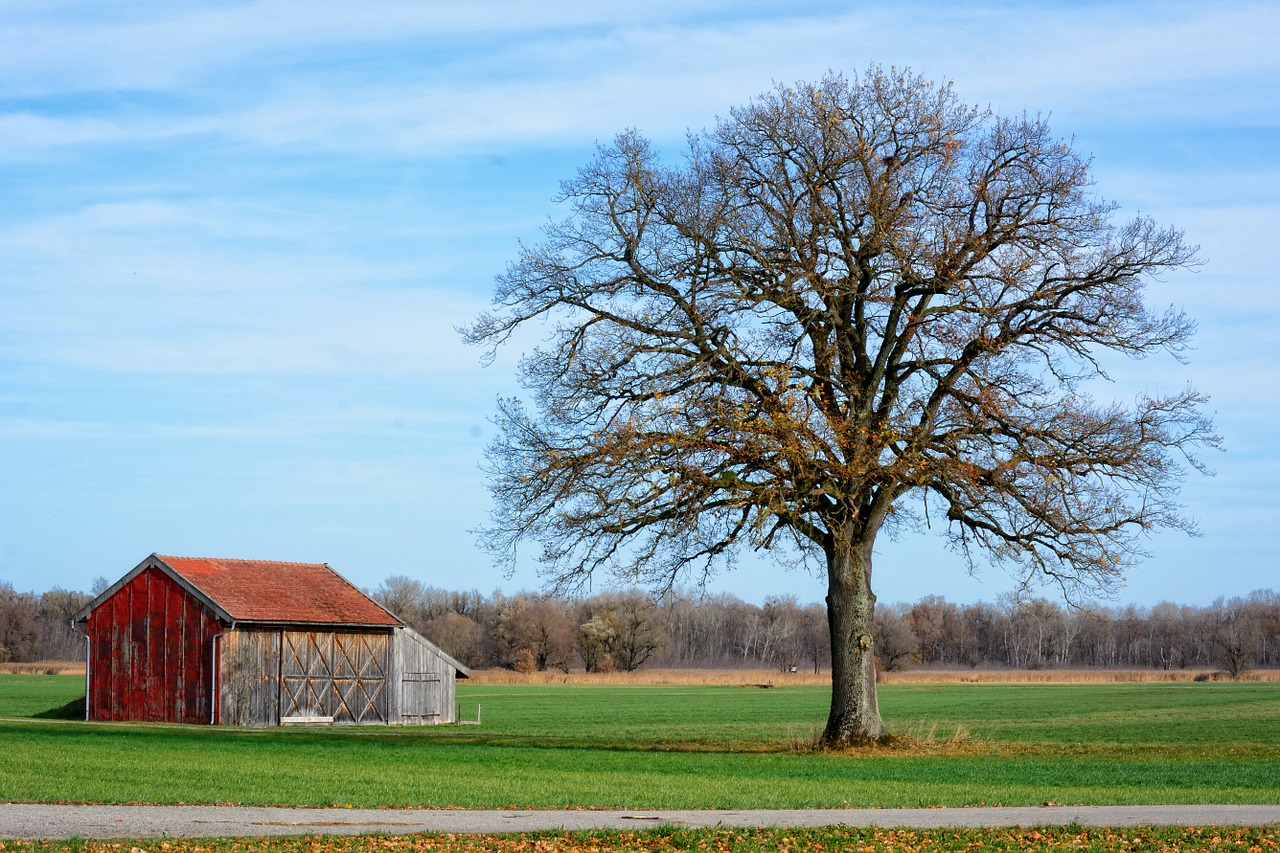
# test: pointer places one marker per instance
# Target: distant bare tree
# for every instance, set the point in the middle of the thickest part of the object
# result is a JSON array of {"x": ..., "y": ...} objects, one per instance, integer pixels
[
  {"x": 896, "y": 644},
  {"x": 19, "y": 631},
  {"x": 816, "y": 637},
  {"x": 406, "y": 598},
  {"x": 1265, "y": 607},
  {"x": 933, "y": 621},
  {"x": 1237, "y": 636},
  {"x": 624, "y": 632},
  {"x": 58, "y": 639},
  {"x": 460, "y": 636},
  {"x": 539, "y": 627}
]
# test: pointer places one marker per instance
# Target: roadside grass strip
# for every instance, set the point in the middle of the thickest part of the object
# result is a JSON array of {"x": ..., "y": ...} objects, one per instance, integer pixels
[{"x": 672, "y": 840}]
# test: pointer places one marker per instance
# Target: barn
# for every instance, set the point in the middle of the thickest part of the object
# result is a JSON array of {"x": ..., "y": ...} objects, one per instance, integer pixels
[{"x": 256, "y": 643}]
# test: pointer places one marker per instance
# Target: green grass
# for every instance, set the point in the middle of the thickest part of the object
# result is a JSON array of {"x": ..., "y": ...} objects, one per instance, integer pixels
[
  {"x": 29, "y": 695},
  {"x": 552, "y": 746},
  {"x": 1154, "y": 713}
]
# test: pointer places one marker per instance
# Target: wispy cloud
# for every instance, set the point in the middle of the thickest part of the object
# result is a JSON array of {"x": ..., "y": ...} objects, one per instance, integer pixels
[{"x": 453, "y": 79}]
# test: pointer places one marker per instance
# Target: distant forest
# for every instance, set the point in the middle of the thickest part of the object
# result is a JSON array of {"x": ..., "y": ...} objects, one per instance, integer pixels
[{"x": 628, "y": 630}]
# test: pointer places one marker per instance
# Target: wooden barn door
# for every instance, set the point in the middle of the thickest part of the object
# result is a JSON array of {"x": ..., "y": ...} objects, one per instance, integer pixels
[
  {"x": 342, "y": 676},
  {"x": 421, "y": 698},
  {"x": 426, "y": 682}
]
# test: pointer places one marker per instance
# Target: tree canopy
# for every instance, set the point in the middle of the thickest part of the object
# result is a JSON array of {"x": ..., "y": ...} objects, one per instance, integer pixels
[{"x": 853, "y": 305}]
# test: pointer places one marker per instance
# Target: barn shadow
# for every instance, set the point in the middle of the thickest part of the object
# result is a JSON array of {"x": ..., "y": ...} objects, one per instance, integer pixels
[{"x": 73, "y": 710}]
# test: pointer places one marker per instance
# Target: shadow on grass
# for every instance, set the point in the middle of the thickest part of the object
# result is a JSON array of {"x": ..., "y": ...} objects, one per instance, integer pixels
[{"x": 73, "y": 710}]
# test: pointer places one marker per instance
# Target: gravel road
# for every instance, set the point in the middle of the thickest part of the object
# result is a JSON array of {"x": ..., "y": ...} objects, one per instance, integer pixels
[{"x": 34, "y": 821}]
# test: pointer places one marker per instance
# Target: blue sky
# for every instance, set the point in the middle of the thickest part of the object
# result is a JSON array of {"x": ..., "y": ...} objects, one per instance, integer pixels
[{"x": 237, "y": 238}]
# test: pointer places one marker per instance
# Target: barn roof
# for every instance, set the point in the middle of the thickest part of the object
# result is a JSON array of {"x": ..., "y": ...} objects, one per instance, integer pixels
[{"x": 266, "y": 591}]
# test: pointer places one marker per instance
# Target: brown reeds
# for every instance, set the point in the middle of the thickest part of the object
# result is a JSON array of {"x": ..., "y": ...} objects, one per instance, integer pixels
[
  {"x": 1067, "y": 676},
  {"x": 923, "y": 675},
  {"x": 49, "y": 667},
  {"x": 755, "y": 678},
  {"x": 766, "y": 678}
]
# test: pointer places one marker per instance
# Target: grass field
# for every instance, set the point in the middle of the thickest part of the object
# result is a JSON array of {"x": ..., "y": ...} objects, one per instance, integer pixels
[{"x": 679, "y": 746}]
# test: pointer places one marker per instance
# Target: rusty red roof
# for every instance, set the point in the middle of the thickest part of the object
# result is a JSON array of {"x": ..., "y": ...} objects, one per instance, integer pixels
[{"x": 268, "y": 591}]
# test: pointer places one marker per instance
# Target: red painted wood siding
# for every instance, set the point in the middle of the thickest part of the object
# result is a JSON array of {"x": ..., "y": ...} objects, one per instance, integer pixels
[{"x": 150, "y": 653}]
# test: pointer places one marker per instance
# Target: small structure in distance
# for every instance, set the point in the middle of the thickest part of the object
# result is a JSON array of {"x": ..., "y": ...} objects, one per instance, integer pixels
[{"x": 257, "y": 643}]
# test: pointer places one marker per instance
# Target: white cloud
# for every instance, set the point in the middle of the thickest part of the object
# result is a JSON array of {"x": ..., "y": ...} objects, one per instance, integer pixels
[
  {"x": 155, "y": 286},
  {"x": 279, "y": 332},
  {"x": 170, "y": 45},
  {"x": 592, "y": 71}
]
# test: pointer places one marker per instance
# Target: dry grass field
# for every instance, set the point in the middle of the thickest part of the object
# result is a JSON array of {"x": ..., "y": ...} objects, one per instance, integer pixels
[
  {"x": 50, "y": 667},
  {"x": 766, "y": 678},
  {"x": 1068, "y": 676},
  {"x": 773, "y": 678}
]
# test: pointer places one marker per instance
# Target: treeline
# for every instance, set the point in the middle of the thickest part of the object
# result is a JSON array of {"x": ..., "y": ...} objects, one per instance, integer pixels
[
  {"x": 627, "y": 630},
  {"x": 37, "y": 626},
  {"x": 611, "y": 631},
  {"x": 1233, "y": 634}
]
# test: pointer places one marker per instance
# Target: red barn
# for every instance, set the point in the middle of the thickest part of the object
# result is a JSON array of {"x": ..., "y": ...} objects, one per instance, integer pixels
[{"x": 254, "y": 642}]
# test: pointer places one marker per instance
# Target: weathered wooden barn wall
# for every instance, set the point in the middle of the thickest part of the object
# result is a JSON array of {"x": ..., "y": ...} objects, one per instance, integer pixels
[
  {"x": 151, "y": 653},
  {"x": 425, "y": 686},
  {"x": 250, "y": 677},
  {"x": 270, "y": 675},
  {"x": 335, "y": 674}
]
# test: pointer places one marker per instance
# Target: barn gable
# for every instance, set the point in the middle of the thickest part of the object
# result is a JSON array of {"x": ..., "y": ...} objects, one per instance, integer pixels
[
  {"x": 426, "y": 676},
  {"x": 150, "y": 651},
  {"x": 252, "y": 642}
]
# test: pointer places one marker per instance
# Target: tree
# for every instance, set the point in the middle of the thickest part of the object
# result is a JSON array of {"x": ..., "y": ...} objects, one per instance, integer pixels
[
  {"x": 535, "y": 627},
  {"x": 1265, "y": 605},
  {"x": 855, "y": 305},
  {"x": 639, "y": 629},
  {"x": 932, "y": 620},
  {"x": 460, "y": 636},
  {"x": 896, "y": 644},
  {"x": 1236, "y": 636},
  {"x": 620, "y": 631},
  {"x": 19, "y": 630},
  {"x": 406, "y": 598},
  {"x": 54, "y": 611},
  {"x": 596, "y": 637},
  {"x": 817, "y": 641},
  {"x": 783, "y": 623}
]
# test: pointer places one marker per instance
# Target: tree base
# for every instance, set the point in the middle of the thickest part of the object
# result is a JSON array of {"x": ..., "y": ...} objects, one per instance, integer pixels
[{"x": 827, "y": 744}]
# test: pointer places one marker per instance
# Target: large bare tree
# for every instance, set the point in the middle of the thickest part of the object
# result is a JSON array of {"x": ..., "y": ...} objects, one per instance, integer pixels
[{"x": 852, "y": 305}]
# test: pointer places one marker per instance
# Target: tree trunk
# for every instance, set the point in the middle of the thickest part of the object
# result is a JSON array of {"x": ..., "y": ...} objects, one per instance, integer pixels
[{"x": 855, "y": 712}]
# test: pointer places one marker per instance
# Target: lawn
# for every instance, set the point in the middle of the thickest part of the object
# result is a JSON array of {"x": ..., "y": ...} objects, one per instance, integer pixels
[
  {"x": 557, "y": 746},
  {"x": 33, "y": 695}
]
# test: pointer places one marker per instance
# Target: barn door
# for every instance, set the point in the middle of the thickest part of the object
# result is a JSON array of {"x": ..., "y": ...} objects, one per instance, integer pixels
[
  {"x": 421, "y": 698},
  {"x": 360, "y": 677},
  {"x": 330, "y": 675}
]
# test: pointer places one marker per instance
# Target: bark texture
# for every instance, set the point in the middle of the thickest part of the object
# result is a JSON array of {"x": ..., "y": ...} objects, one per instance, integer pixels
[{"x": 855, "y": 708}]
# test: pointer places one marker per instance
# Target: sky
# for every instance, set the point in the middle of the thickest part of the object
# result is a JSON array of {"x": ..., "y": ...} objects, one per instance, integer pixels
[{"x": 237, "y": 239}]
